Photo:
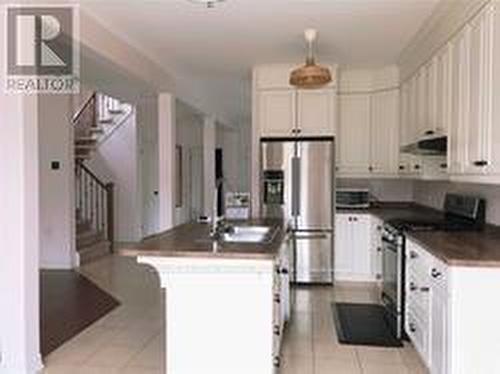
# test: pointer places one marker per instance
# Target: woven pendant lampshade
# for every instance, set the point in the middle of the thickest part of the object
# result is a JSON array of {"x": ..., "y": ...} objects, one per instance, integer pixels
[{"x": 310, "y": 75}]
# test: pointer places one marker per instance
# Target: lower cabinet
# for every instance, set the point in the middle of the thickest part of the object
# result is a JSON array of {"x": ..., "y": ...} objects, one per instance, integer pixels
[
  {"x": 439, "y": 332},
  {"x": 281, "y": 300},
  {"x": 353, "y": 249}
]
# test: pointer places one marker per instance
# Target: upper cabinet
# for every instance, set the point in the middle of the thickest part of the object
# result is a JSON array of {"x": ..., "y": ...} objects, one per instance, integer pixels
[
  {"x": 353, "y": 148},
  {"x": 384, "y": 132},
  {"x": 282, "y": 110},
  {"x": 474, "y": 131},
  {"x": 277, "y": 112},
  {"x": 368, "y": 131},
  {"x": 316, "y": 111}
]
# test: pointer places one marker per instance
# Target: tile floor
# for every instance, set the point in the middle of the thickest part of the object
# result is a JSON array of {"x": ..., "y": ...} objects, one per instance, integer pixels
[{"x": 131, "y": 340}]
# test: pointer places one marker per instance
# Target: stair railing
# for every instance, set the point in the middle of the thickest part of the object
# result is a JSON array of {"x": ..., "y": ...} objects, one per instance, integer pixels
[
  {"x": 94, "y": 202},
  {"x": 86, "y": 117}
]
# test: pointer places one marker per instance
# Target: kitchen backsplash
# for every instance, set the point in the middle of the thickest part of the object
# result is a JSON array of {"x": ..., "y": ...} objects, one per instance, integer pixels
[
  {"x": 382, "y": 189},
  {"x": 432, "y": 194}
]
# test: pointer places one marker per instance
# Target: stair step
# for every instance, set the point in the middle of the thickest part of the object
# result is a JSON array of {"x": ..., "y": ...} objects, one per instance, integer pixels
[
  {"x": 79, "y": 151},
  {"x": 83, "y": 226},
  {"x": 106, "y": 121},
  {"x": 96, "y": 130},
  {"x": 88, "y": 238},
  {"x": 94, "y": 251},
  {"x": 85, "y": 141}
]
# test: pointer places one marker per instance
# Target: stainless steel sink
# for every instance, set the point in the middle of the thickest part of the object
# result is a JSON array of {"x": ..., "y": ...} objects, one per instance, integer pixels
[{"x": 249, "y": 234}]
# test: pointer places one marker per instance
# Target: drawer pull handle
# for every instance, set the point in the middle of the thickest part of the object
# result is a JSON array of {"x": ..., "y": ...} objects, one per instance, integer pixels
[
  {"x": 277, "y": 299},
  {"x": 276, "y": 362},
  {"x": 413, "y": 255},
  {"x": 413, "y": 286},
  {"x": 425, "y": 289},
  {"x": 481, "y": 163},
  {"x": 413, "y": 328},
  {"x": 436, "y": 273},
  {"x": 276, "y": 330}
]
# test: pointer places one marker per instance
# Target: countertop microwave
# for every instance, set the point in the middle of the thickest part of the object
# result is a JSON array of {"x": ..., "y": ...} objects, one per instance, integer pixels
[{"x": 352, "y": 198}]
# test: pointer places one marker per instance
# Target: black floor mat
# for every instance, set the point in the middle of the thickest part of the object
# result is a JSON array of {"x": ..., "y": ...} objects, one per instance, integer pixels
[{"x": 363, "y": 324}]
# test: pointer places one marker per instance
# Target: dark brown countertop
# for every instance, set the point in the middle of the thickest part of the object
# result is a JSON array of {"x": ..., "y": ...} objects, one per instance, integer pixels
[
  {"x": 192, "y": 240},
  {"x": 464, "y": 248}
]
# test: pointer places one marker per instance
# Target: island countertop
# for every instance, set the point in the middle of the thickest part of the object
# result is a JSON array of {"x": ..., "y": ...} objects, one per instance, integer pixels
[{"x": 193, "y": 240}]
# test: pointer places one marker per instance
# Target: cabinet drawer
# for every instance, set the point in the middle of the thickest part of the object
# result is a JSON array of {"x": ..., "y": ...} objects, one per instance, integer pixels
[
  {"x": 438, "y": 274},
  {"x": 418, "y": 294},
  {"x": 417, "y": 259},
  {"x": 418, "y": 332}
]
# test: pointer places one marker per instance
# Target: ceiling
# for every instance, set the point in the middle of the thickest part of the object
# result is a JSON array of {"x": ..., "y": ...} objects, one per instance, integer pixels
[{"x": 217, "y": 47}]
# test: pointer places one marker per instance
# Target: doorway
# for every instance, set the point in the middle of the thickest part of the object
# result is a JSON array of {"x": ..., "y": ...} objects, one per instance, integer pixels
[{"x": 219, "y": 174}]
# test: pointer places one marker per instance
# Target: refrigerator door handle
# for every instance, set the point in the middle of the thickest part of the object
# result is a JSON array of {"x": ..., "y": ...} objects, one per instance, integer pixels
[
  {"x": 313, "y": 237},
  {"x": 296, "y": 186}
]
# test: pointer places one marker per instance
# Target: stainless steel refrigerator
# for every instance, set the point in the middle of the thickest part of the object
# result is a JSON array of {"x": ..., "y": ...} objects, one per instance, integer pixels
[{"x": 297, "y": 184}]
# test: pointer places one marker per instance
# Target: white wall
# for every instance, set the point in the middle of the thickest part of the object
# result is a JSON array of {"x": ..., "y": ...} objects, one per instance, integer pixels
[
  {"x": 57, "y": 214},
  {"x": 19, "y": 231},
  {"x": 189, "y": 135},
  {"x": 147, "y": 125},
  {"x": 386, "y": 190},
  {"x": 432, "y": 194},
  {"x": 209, "y": 143},
  {"x": 117, "y": 161}
]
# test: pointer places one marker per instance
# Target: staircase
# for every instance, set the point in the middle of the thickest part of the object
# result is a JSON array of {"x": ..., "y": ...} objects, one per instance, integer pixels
[{"x": 96, "y": 121}]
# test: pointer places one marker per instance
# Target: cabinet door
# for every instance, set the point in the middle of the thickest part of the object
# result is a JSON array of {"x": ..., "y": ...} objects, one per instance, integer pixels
[
  {"x": 460, "y": 100},
  {"x": 343, "y": 255},
  {"x": 479, "y": 96},
  {"x": 439, "y": 317},
  {"x": 443, "y": 90},
  {"x": 422, "y": 124},
  {"x": 413, "y": 109},
  {"x": 277, "y": 112},
  {"x": 376, "y": 248},
  {"x": 404, "y": 122},
  {"x": 316, "y": 112},
  {"x": 361, "y": 247},
  {"x": 384, "y": 132},
  {"x": 491, "y": 148},
  {"x": 430, "y": 128},
  {"x": 354, "y": 134}
]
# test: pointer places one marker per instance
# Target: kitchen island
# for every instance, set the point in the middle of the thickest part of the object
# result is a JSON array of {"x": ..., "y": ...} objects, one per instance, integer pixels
[{"x": 226, "y": 302}]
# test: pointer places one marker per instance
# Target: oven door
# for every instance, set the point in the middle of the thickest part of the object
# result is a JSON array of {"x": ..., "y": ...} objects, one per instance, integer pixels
[
  {"x": 390, "y": 269},
  {"x": 392, "y": 283}
]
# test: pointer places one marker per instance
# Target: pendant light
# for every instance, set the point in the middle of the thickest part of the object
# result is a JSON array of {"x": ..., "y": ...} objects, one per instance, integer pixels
[{"x": 310, "y": 75}]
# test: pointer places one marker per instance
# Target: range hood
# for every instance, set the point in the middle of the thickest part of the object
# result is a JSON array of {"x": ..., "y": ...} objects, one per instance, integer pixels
[{"x": 436, "y": 146}]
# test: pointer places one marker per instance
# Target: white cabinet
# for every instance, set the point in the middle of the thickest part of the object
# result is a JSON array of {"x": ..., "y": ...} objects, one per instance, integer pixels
[
  {"x": 368, "y": 135},
  {"x": 443, "y": 62},
  {"x": 316, "y": 112},
  {"x": 376, "y": 248},
  {"x": 439, "y": 332},
  {"x": 404, "y": 121},
  {"x": 384, "y": 130},
  {"x": 478, "y": 122},
  {"x": 354, "y": 156},
  {"x": 277, "y": 112},
  {"x": 474, "y": 135},
  {"x": 353, "y": 251},
  {"x": 290, "y": 112}
]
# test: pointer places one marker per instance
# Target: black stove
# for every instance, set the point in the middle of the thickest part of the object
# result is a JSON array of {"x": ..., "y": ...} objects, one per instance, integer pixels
[
  {"x": 461, "y": 213},
  {"x": 413, "y": 225}
]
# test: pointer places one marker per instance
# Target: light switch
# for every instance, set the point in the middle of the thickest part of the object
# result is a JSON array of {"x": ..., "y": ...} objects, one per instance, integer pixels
[{"x": 55, "y": 165}]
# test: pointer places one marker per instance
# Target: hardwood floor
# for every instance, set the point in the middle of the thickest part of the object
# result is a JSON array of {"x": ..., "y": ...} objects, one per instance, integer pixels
[{"x": 69, "y": 303}]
